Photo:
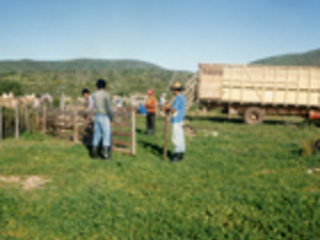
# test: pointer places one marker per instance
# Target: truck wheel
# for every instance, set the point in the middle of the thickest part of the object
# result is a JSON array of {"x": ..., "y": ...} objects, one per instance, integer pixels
[{"x": 253, "y": 116}]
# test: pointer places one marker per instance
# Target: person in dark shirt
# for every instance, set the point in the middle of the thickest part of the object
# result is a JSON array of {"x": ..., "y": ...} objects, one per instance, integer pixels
[
  {"x": 89, "y": 100},
  {"x": 151, "y": 106}
]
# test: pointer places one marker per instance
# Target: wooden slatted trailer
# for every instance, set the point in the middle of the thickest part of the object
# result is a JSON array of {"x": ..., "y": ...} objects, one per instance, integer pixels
[{"x": 254, "y": 91}]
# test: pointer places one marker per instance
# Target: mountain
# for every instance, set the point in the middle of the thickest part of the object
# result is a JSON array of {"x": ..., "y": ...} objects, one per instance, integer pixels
[
  {"x": 311, "y": 58},
  {"x": 73, "y": 65}
]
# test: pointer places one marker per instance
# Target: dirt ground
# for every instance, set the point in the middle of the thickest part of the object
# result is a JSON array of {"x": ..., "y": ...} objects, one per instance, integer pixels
[{"x": 27, "y": 182}]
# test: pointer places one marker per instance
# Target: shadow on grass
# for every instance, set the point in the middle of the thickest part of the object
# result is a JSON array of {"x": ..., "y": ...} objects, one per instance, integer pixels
[
  {"x": 240, "y": 121},
  {"x": 138, "y": 130},
  {"x": 155, "y": 149}
]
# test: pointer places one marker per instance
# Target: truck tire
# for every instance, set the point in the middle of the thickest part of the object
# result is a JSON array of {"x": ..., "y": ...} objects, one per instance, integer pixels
[{"x": 253, "y": 116}]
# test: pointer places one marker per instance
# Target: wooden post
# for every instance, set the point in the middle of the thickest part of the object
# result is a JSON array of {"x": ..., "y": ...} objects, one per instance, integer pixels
[
  {"x": 309, "y": 88},
  {"x": 133, "y": 132},
  {"x": 286, "y": 88},
  {"x": 44, "y": 120},
  {"x": 275, "y": 86},
  {"x": 298, "y": 88},
  {"x": 165, "y": 145},
  {"x": 62, "y": 102},
  {"x": 1, "y": 123},
  {"x": 264, "y": 86},
  {"x": 37, "y": 120},
  {"x": 26, "y": 117},
  {"x": 75, "y": 127},
  {"x": 17, "y": 122}
]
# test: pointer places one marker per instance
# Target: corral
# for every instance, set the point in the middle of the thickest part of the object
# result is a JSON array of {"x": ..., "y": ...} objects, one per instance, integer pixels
[{"x": 72, "y": 124}]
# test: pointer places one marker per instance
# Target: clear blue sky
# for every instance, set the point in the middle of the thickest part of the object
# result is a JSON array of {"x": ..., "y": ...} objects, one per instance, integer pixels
[{"x": 176, "y": 34}]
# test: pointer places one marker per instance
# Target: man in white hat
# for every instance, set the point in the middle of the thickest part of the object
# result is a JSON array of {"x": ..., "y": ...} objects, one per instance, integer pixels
[{"x": 178, "y": 110}]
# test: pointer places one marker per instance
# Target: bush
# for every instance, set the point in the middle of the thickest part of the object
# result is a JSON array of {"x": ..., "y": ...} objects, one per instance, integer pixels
[
  {"x": 309, "y": 147},
  {"x": 7, "y": 86}
]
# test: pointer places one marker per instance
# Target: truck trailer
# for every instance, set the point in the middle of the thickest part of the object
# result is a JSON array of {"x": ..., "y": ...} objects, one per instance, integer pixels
[{"x": 254, "y": 91}]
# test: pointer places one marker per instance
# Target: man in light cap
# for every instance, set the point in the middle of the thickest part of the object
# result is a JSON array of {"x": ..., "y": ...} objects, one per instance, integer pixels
[
  {"x": 151, "y": 106},
  {"x": 178, "y": 110}
]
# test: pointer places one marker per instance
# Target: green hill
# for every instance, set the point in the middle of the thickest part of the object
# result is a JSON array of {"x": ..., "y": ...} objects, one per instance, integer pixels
[
  {"x": 73, "y": 65},
  {"x": 311, "y": 58}
]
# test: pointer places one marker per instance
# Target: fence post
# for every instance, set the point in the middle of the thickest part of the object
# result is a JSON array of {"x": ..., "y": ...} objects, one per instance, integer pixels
[
  {"x": 75, "y": 127},
  {"x": 26, "y": 117},
  {"x": 17, "y": 121},
  {"x": 1, "y": 123},
  {"x": 165, "y": 147},
  {"x": 133, "y": 132},
  {"x": 44, "y": 120},
  {"x": 37, "y": 120}
]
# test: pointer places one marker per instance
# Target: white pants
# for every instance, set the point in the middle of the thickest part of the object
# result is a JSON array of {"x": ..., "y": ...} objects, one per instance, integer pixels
[{"x": 178, "y": 138}]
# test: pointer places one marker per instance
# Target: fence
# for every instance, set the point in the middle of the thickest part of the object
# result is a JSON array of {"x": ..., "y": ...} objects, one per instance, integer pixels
[
  {"x": 15, "y": 119},
  {"x": 78, "y": 126},
  {"x": 73, "y": 125}
]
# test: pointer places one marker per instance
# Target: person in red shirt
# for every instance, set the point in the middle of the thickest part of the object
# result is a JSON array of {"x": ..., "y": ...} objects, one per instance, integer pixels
[{"x": 151, "y": 106}]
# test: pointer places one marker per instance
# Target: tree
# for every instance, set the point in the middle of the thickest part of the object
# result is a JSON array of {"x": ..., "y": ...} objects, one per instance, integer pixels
[{"x": 7, "y": 86}]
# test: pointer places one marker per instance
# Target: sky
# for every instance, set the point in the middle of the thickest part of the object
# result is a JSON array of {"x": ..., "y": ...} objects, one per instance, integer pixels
[{"x": 175, "y": 34}]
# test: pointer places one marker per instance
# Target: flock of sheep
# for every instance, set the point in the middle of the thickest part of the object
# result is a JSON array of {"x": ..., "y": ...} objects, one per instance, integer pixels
[{"x": 11, "y": 101}]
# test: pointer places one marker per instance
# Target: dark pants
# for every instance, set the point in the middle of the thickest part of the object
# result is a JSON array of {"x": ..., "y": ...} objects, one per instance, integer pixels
[{"x": 151, "y": 123}]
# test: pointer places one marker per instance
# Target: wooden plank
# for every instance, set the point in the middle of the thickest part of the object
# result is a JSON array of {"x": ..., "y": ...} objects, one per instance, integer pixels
[
  {"x": 275, "y": 86},
  {"x": 62, "y": 121},
  {"x": 17, "y": 132},
  {"x": 286, "y": 89},
  {"x": 269, "y": 84},
  {"x": 231, "y": 88},
  {"x": 264, "y": 86},
  {"x": 253, "y": 84},
  {"x": 121, "y": 142},
  {"x": 298, "y": 87},
  {"x": 242, "y": 88},
  {"x": 123, "y": 115},
  {"x": 309, "y": 88},
  {"x": 62, "y": 126},
  {"x": 121, "y": 150},
  {"x": 133, "y": 132},
  {"x": 122, "y": 134},
  {"x": 123, "y": 125}
]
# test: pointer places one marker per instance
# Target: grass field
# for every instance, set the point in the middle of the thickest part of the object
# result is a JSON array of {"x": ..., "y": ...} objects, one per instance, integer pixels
[{"x": 243, "y": 182}]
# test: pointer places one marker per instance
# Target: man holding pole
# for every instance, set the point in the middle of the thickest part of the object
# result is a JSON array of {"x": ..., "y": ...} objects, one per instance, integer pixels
[{"x": 178, "y": 110}]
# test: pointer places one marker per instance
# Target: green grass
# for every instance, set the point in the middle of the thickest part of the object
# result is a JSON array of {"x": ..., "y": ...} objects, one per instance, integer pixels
[{"x": 249, "y": 182}]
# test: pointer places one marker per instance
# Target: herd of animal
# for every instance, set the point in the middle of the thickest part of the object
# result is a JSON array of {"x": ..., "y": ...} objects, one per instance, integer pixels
[{"x": 11, "y": 101}]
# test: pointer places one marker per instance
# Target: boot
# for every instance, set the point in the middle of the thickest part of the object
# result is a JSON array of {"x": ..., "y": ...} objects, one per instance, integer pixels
[
  {"x": 181, "y": 156},
  {"x": 110, "y": 153},
  {"x": 175, "y": 158},
  {"x": 105, "y": 153},
  {"x": 94, "y": 152}
]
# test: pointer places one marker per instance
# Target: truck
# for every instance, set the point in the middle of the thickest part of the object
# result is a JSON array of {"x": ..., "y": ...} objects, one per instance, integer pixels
[{"x": 254, "y": 91}]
